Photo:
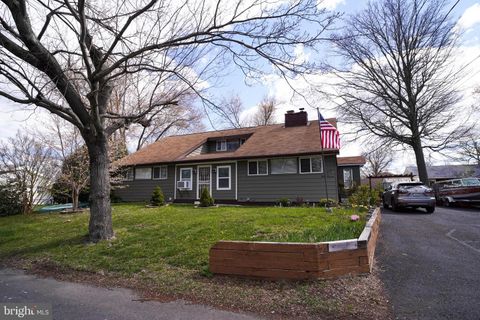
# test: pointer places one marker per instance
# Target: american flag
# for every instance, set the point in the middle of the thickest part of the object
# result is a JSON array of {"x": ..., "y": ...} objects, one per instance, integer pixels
[{"x": 329, "y": 134}]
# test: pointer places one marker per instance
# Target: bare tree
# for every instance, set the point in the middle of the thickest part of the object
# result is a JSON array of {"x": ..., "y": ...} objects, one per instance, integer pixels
[
  {"x": 67, "y": 56},
  {"x": 177, "y": 119},
  {"x": 469, "y": 149},
  {"x": 30, "y": 167},
  {"x": 167, "y": 119},
  {"x": 231, "y": 111},
  {"x": 469, "y": 146},
  {"x": 378, "y": 159},
  {"x": 265, "y": 114},
  {"x": 401, "y": 81}
]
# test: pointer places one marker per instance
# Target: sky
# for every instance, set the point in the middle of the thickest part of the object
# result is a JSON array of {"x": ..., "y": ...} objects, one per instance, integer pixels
[
  {"x": 468, "y": 14},
  {"x": 14, "y": 117}
]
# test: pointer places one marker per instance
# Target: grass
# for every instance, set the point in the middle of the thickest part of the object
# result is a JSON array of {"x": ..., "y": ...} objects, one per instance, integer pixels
[
  {"x": 177, "y": 236},
  {"x": 167, "y": 248}
]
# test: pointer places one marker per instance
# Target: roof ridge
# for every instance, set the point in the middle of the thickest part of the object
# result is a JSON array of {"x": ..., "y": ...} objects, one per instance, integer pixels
[
  {"x": 270, "y": 140},
  {"x": 222, "y": 130},
  {"x": 242, "y": 128}
]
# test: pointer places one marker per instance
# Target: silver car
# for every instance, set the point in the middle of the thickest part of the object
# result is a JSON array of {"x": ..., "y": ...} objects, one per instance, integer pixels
[{"x": 409, "y": 194}]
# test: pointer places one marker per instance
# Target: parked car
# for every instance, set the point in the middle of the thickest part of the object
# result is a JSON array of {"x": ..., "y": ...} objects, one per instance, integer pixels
[
  {"x": 409, "y": 194},
  {"x": 466, "y": 190}
]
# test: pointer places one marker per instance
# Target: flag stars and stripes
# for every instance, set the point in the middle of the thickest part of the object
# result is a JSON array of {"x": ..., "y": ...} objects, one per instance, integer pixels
[{"x": 329, "y": 134}]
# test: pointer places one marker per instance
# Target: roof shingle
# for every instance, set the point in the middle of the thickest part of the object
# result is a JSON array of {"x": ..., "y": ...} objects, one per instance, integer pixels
[
  {"x": 272, "y": 140},
  {"x": 353, "y": 161}
]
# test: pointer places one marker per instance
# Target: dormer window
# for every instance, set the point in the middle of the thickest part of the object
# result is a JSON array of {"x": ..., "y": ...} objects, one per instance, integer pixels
[
  {"x": 221, "y": 145},
  {"x": 228, "y": 143},
  {"x": 233, "y": 145}
]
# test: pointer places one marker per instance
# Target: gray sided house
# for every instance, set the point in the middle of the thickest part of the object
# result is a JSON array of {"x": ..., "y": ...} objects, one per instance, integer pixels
[
  {"x": 348, "y": 173},
  {"x": 248, "y": 165}
]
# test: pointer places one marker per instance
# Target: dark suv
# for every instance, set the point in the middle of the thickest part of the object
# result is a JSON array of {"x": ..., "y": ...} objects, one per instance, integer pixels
[{"x": 409, "y": 194}]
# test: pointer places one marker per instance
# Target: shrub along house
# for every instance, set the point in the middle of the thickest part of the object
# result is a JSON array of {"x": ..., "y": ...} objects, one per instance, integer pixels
[{"x": 258, "y": 164}]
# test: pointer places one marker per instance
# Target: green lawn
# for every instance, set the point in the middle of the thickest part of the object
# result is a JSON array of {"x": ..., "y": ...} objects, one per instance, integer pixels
[
  {"x": 177, "y": 235},
  {"x": 166, "y": 251}
]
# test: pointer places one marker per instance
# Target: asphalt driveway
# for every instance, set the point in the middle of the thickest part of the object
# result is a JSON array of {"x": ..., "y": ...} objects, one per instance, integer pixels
[
  {"x": 74, "y": 301},
  {"x": 431, "y": 263}
]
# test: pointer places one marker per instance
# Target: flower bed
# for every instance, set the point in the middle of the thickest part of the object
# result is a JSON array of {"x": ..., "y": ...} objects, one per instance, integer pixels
[{"x": 283, "y": 260}]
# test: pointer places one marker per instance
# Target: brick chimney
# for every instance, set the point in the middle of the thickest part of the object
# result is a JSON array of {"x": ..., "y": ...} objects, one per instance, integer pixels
[{"x": 296, "y": 119}]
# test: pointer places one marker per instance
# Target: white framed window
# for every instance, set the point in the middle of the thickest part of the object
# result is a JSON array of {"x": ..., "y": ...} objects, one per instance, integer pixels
[
  {"x": 310, "y": 165},
  {"x": 221, "y": 145},
  {"x": 283, "y": 165},
  {"x": 233, "y": 145},
  {"x": 258, "y": 168},
  {"x": 143, "y": 173},
  {"x": 347, "y": 178},
  {"x": 224, "y": 177},
  {"x": 160, "y": 173},
  {"x": 128, "y": 174},
  {"x": 186, "y": 175}
]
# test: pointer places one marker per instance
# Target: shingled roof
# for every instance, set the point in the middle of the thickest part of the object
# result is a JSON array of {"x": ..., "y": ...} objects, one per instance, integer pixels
[
  {"x": 272, "y": 140},
  {"x": 351, "y": 161},
  {"x": 448, "y": 171}
]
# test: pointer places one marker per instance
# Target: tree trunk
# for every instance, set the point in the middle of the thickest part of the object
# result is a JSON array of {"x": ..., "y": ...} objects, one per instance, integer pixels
[
  {"x": 421, "y": 165},
  {"x": 100, "y": 226},
  {"x": 25, "y": 206},
  {"x": 75, "y": 195}
]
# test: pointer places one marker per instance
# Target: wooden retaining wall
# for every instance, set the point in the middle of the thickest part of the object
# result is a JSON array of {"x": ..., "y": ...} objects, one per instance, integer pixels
[{"x": 285, "y": 260}]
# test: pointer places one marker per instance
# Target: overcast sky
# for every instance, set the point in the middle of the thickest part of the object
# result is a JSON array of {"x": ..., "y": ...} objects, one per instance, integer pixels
[{"x": 13, "y": 117}]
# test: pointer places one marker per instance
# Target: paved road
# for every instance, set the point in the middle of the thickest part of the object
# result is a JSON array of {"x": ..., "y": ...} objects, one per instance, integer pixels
[
  {"x": 431, "y": 263},
  {"x": 76, "y": 301}
]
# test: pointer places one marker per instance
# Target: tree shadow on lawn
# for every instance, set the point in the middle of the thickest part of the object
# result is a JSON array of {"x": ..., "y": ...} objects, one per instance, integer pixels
[{"x": 47, "y": 246}]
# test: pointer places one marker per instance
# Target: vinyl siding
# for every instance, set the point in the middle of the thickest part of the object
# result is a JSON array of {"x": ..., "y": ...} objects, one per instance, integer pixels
[
  {"x": 141, "y": 190},
  {"x": 216, "y": 194},
  {"x": 201, "y": 149},
  {"x": 224, "y": 194},
  {"x": 270, "y": 188}
]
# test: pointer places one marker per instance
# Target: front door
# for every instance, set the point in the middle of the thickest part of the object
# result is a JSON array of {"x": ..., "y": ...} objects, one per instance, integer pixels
[{"x": 204, "y": 179}]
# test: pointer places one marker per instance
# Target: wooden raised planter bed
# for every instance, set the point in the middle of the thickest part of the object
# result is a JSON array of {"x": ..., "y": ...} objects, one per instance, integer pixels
[{"x": 286, "y": 260}]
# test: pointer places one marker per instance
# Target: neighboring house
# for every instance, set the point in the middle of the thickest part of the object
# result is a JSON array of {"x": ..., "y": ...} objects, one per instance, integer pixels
[
  {"x": 385, "y": 179},
  {"x": 41, "y": 190},
  {"x": 258, "y": 164},
  {"x": 446, "y": 172},
  {"x": 349, "y": 171}
]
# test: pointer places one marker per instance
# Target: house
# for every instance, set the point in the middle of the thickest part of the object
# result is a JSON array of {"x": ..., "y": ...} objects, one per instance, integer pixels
[
  {"x": 348, "y": 173},
  {"x": 447, "y": 172},
  {"x": 41, "y": 188},
  {"x": 257, "y": 165},
  {"x": 385, "y": 179}
]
